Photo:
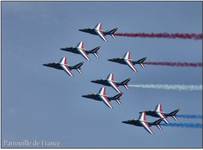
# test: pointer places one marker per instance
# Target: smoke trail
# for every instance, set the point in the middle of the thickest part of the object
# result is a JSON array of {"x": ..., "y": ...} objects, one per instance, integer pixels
[
  {"x": 193, "y": 36},
  {"x": 184, "y": 125},
  {"x": 189, "y": 116},
  {"x": 175, "y": 64},
  {"x": 168, "y": 87}
]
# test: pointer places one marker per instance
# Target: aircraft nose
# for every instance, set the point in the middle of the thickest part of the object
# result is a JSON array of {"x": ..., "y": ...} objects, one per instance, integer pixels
[
  {"x": 93, "y": 81},
  {"x": 46, "y": 65},
  {"x": 125, "y": 122},
  {"x": 86, "y": 96},
  {"x": 63, "y": 49},
  {"x": 81, "y": 30},
  {"x": 110, "y": 59}
]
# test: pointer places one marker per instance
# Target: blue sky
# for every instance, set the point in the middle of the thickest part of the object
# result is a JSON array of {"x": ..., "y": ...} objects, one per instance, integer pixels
[{"x": 41, "y": 103}]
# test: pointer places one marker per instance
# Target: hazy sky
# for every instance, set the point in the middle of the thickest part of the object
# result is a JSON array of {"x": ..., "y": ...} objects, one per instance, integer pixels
[{"x": 41, "y": 103}]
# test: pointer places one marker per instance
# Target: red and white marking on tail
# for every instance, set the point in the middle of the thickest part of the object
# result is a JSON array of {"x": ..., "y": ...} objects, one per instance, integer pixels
[{"x": 142, "y": 65}]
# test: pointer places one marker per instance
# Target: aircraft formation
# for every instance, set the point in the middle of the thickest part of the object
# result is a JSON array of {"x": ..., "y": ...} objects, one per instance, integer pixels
[{"x": 110, "y": 81}]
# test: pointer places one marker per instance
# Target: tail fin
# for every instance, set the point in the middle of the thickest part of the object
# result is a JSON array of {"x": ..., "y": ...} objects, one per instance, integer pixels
[
  {"x": 173, "y": 114},
  {"x": 77, "y": 67},
  {"x": 112, "y": 32},
  {"x": 125, "y": 83},
  {"x": 141, "y": 61},
  {"x": 116, "y": 97},
  {"x": 157, "y": 123},
  {"x": 94, "y": 51}
]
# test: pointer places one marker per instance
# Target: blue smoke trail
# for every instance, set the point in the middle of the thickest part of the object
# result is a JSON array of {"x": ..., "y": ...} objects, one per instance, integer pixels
[
  {"x": 189, "y": 116},
  {"x": 184, "y": 125}
]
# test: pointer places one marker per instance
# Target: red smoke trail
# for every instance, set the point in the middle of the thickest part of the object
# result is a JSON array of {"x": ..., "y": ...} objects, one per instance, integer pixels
[
  {"x": 193, "y": 36},
  {"x": 175, "y": 64}
]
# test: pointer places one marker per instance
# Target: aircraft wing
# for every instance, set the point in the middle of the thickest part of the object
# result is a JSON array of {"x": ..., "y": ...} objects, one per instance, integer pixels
[
  {"x": 156, "y": 123},
  {"x": 146, "y": 126},
  {"x": 106, "y": 101},
  {"x": 67, "y": 70},
  {"x": 162, "y": 116},
  {"x": 114, "y": 86},
  {"x": 84, "y": 54},
  {"x": 130, "y": 64},
  {"x": 101, "y": 35}
]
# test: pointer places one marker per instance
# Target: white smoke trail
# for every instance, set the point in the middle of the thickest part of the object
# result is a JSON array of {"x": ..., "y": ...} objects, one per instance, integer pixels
[{"x": 169, "y": 87}]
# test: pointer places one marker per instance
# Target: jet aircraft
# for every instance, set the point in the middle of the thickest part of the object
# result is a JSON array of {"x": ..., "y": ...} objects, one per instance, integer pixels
[
  {"x": 127, "y": 60},
  {"x": 63, "y": 65},
  {"x": 99, "y": 31},
  {"x": 101, "y": 96},
  {"x": 80, "y": 49},
  {"x": 142, "y": 122},
  {"x": 158, "y": 112},
  {"x": 110, "y": 81}
]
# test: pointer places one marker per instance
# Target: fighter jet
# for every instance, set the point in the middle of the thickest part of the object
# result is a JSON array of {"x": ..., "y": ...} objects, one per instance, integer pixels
[
  {"x": 63, "y": 65},
  {"x": 142, "y": 122},
  {"x": 100, "y": 32},
  {"x": 80, "y": 49},
  {"x": 101, "y": 96},
  {"x": 110, "y": 81},
  {"x": 127, "y": 60},
  {"x": 158, "y": 112}
]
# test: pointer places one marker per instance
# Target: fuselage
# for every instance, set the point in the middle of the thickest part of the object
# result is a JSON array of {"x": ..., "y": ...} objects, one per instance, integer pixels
[
  {"x": 152, "y": 113},
  {"x": 103, "y": 82},
  {"x": 157, "y": 115},
  {"x": 133, "y": 122},
  {"x": 98, "y": 97},
  {"x": 93, "y": 96},
  {"x": 54, "y": 65},
  {"x": 91, "y": 31},
  {"x": 113, "y": 84},
  {"x": 118, "y": 60}
]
